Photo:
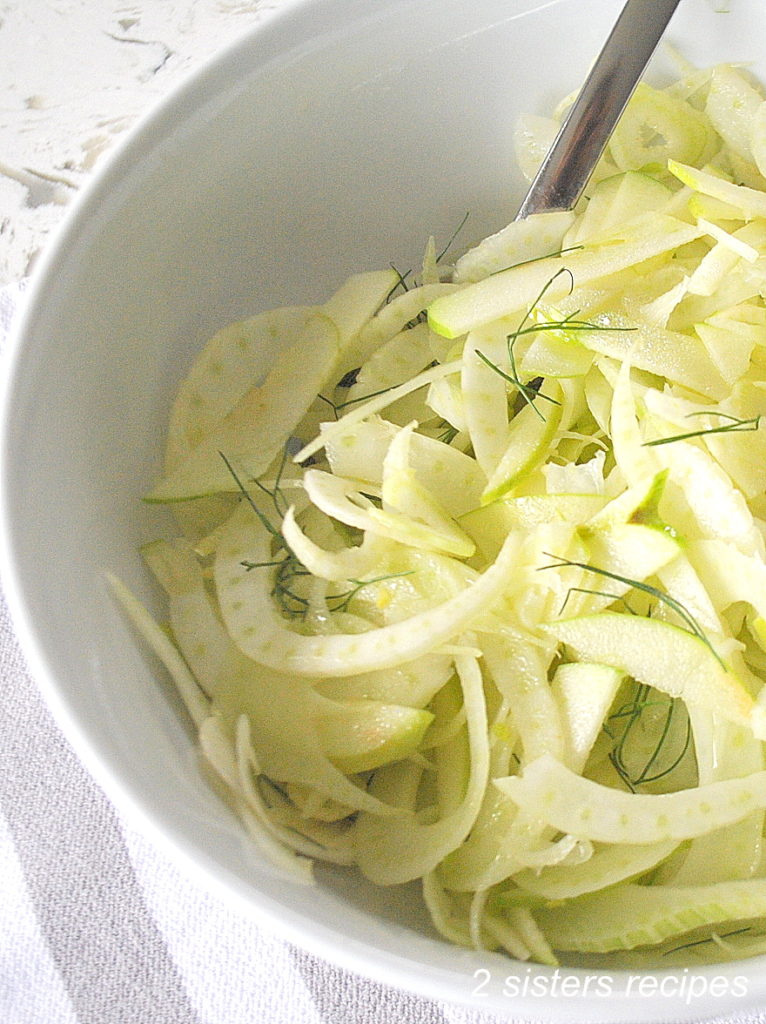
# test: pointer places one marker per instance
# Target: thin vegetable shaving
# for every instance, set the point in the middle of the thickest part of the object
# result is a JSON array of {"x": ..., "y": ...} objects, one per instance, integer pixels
[{"x": 470, "y": 588}]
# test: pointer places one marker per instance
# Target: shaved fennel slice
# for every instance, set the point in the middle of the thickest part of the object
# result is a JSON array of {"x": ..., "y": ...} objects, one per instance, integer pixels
[
  {"x": 515, "y": 289},
  {"x": 519, "y": 671},
  {"x": 337, "y": 566},
  {"x": 158, "y": 641},
  {"x": 232, "y": 361},
  {"x": 719, "y": 510},
  {"x": 262, "y": 634},
  {"x": 272, "y": 809},
  {"x": 254, "y": 431},
  {"x": 343, "y": 500},
  {"x": 732, "y": 105},
  {"x": 540, "y": 234},
  {"x": 357, "y": 300},
  {"x": 445, "y": 916},
  {"x": 255, "y": 813},
  {"x": 634, "y": 461},
  {"x": 372, "y": 406},
  {"x": 198, "y": 633},
  {"x": 608, "y": 866},
  {"x": 580, "y": 807},
  {"x": 283, "y": 711},
  {"x": 729, "y": 575},
  {"x": 453, "y": 477},
  {"x": 528, "y": 442},
  {"x": 403, "y": 493},
  {"x": 390, "y": 855},
  {"x": 723, "y": 751},
  {"x": 485, "y": 399},
  {"x": 413, "y": 684},
  {"x": 406, "y": 354},
  {"x": 389, "y": 321},
  {"x": 656, "y": 125},
  {"x": 642, "y": 915}
]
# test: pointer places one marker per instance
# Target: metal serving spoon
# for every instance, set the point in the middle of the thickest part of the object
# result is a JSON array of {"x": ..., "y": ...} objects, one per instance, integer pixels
[{"x": 565, "y": 171}]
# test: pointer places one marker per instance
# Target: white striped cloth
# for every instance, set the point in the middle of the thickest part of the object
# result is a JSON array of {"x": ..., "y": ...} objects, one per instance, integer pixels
[{"x": 99, "y": 926}]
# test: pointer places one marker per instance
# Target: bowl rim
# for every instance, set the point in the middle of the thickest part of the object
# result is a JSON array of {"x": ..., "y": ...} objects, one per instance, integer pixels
[{"x": 296, "y": 22}]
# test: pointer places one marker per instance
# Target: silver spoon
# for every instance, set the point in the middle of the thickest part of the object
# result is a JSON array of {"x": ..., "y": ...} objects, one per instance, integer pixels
[{"x": 569, "y": 163}]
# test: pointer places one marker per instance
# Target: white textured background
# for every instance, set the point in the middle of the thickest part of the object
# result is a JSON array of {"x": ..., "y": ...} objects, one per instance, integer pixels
[{"x": 74, "y": 76}]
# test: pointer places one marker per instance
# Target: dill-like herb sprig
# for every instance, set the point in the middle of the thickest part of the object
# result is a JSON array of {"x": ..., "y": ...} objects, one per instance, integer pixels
[
  {"x": 735, "y": 425},
  {"x": 287, "y": 567},
  {"x": 275, "y": 493},
  {"x": 715, "y": 937},
  {"x": 402, "y": 281},
  {"x": 448, "y": 434},
  {"x": 340, "y": 602},
  {"x": 620, "y": 725},
  {"x": 596, "y": 593},
  {"x": 683, "y": 613},
  {"x": 264, "y": 519},
  {"x": 454, "y": 235},
  {"x": 338, "y": 406},
  {"x": 530, "y": 391},
  {"x": 537, "y": 259}
]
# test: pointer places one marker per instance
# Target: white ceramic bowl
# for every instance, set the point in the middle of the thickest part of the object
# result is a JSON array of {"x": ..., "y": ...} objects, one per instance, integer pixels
[{"x": 336, "y": 137}]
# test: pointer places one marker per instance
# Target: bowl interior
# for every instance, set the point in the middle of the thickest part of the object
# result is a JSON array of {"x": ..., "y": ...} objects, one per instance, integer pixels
[{"x": 335, "y": 138}]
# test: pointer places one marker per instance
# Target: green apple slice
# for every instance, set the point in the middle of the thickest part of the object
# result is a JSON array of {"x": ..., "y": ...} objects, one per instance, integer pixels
[
  {"x": 659, "y": 654},
  {"x": 749, "y": 201},
  {"x": 584, "y": 693},
  {"x": 530, "y": 435},
  {"x": 519, "y": 287},
  {"x": 390, "y": 853},
  {"x": 360, "y": 735}
]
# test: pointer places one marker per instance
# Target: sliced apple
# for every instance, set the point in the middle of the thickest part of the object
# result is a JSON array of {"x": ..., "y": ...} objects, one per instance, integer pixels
[
  {"x": 584, "y": 693},
  {"x": 359, "y": 735},
  {"x": 659, "y": 654},
  {"x": 519, "y": 287}
]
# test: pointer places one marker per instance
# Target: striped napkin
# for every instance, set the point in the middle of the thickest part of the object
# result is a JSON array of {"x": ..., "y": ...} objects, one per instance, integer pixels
[{"x": 99, "y": 926}]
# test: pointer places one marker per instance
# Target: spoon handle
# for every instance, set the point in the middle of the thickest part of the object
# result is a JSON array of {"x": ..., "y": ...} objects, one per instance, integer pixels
[{"x": 581, "y": 140}]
